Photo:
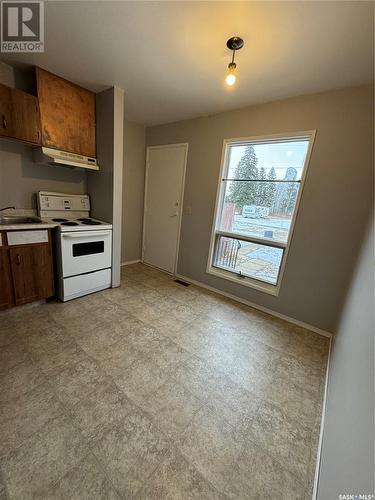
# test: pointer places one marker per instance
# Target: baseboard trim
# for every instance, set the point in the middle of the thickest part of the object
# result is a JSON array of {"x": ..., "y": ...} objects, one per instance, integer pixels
[
  {"x": 322, "y": 420},
  {"x": 129, "y": 262},
  {"x": 297, "y": 322}
]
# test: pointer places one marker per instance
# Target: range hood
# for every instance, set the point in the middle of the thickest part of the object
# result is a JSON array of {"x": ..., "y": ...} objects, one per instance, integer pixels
[{"x": 50, "y": 156}]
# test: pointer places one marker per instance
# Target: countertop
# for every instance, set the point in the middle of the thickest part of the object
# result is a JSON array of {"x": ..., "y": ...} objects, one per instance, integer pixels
[
  {"x": 24, "y": 212},
  {"x": 22, "y": 227}
]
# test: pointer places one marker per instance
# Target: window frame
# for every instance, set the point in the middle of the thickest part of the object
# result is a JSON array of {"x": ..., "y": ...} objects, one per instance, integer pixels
[{"x": 220, "y": 194}]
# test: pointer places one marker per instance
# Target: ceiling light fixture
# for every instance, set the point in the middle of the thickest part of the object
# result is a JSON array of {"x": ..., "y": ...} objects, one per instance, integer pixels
[{"x": 234, "y": 43}]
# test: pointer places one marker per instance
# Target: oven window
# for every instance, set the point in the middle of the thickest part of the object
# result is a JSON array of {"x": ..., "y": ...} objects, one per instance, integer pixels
[{"x": 89, "y": 248}]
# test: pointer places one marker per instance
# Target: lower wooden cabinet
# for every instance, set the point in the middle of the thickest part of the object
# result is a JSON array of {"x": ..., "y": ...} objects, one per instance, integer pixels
[
  {"x": 32, "y": 273},
  {"x": 26, "y": 273}
]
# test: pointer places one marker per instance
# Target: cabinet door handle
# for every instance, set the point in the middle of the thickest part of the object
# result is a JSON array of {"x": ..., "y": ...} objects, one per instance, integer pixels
[
  {"x": 4, "y": 121},
  {"x": 18, "y": 259}
]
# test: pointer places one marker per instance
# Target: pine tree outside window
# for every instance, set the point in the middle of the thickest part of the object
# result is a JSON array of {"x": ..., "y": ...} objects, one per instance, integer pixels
[{"x": 260, "y": 187}]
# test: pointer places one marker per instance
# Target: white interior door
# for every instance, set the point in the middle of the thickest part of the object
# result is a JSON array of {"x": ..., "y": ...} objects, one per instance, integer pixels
[{"x": 165, "y": 175}]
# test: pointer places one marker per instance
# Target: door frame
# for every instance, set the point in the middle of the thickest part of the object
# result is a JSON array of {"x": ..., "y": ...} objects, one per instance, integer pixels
[{"x": 162, "y": 146}]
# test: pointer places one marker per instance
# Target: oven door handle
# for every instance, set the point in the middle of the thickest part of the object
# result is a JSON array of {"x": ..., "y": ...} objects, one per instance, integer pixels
[{"x": 89, "y": 234}]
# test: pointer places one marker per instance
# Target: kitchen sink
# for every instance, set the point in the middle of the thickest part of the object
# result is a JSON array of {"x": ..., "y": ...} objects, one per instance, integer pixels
[{"x": 6, "y": 220}]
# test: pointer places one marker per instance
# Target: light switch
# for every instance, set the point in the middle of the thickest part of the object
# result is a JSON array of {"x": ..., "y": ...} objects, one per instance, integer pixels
[{"x": 187, "y": 210}]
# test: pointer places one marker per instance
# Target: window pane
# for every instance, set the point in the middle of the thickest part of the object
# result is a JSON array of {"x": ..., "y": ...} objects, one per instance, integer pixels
[
  {"x": 259, "y": 209},
  {"x": 271, "y": 161},
  {"x": 254, "y": 260}
]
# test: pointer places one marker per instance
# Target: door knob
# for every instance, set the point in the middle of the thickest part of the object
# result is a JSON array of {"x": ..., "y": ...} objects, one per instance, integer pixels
[{"x": 175, "y": 214}]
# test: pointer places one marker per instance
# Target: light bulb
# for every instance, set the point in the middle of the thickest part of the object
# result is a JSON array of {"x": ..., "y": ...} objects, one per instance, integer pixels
[{"x": 230, "y": 79}]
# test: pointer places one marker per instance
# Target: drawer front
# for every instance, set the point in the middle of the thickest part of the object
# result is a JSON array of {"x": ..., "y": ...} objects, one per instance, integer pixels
[
  {"x": 27, "y": 237},
  {"x": 76, "y": 286}
]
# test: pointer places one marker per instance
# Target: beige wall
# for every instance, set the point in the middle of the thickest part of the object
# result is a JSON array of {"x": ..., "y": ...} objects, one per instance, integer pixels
[
  {"x": 21, "y": 178},
  {"x": 347, "y": 464},
  {"x": 7, "y": 76},
  {"x": 333, "y": 209},
  {"x": 133, "y": 188}
]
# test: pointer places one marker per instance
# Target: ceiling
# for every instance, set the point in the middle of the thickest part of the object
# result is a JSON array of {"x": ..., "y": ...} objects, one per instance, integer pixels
[{"x": 171, "y": 57}]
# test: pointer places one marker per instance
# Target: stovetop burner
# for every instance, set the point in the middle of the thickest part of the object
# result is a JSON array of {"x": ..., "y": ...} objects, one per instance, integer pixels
[
  {"x": 89, "y": 222},
  {"x": 60, "y": 220},
  {"x": 70, "y": 223}
]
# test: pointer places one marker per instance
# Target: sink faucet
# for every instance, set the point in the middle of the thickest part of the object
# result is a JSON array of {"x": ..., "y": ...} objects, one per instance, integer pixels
[{"x": 6, "y": 208}]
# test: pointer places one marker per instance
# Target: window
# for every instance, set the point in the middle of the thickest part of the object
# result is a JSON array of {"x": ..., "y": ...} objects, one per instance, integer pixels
[{"x": 260, "y": 187}]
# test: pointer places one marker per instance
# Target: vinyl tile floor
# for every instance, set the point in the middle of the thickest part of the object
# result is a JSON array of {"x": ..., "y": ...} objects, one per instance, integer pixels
[{"x": 154, "y": 390}]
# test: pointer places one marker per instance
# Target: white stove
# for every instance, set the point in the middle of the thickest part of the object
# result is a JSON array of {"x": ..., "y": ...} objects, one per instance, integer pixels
[{"x": 83, "y": 244}]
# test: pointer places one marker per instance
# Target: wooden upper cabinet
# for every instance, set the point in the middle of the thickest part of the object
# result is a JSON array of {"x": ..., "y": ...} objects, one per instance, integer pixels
[
  {"x": 67, "y": 114},
  {"x": 19, "y": 115},
  {"x": 26, "y": 121},
  {"x": 6, "y": 128}
]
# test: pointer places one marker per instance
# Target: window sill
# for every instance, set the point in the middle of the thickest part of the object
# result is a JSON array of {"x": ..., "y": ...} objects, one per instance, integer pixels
[{"x": 248, "y": 282}]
